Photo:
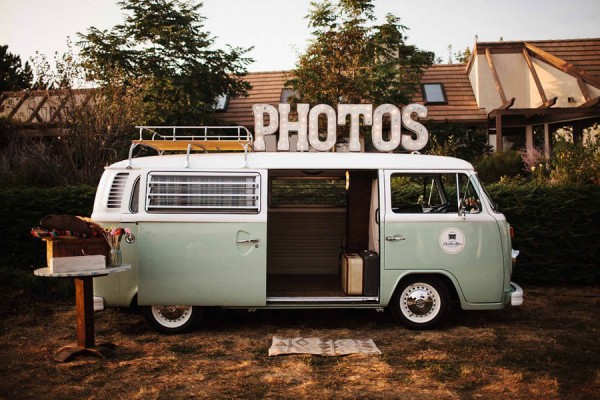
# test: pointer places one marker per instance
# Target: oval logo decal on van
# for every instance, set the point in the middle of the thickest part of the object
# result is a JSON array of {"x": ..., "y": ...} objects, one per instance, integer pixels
[{"x": 452, "y": 240}]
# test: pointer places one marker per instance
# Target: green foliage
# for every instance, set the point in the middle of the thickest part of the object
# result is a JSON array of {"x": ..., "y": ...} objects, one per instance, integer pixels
[
  {"x": 499, "y": 164},
  {"x": 556, "y": 230},
  {"x": 13, "y": 74},
  {"x": 575, "y": 162},
  {"x": 457, "y": 140},
  {"x": 20, "y": 253},
  {"x": 464, "y": 57},
  {"x": 22, "y": 209},
  {"x": 350, "y": 60},
  {"x": 162, "y": 49}
]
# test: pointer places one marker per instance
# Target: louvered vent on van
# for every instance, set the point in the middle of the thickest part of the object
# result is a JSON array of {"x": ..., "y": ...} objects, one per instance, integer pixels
[{"x": 115, "y": 196}]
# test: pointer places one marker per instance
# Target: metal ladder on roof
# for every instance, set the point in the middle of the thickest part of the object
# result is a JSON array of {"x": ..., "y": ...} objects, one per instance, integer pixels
[{"x": 189, "y": 138}]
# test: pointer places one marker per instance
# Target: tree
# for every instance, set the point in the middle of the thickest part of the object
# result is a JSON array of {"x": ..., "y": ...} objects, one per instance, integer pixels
[
  {"x": 457, "y": 140},
  {"x": 13, "y": 74},
  {"x": 464, "y": 57},
  {"x": 351, "y": 60},
  {"x": 162, "y": 48}
]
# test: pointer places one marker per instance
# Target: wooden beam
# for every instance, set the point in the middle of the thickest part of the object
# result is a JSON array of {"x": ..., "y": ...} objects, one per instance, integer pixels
[
  {"x": 563, "y": 65},
  {"x": 508, "y": 104},
  {"x": 534, "y": 74},
  {"x": 499, "y": 146},
  {"x": 584, "y": 90},
  {"x": 19, "y": 104},
  {"x": 488, "y": 56},
  {"x": 34, "y": 113},
  {"x": 590, "y": 103},
  {"x": 549, "y": 103},
  {"x": 61, "y": 105}
]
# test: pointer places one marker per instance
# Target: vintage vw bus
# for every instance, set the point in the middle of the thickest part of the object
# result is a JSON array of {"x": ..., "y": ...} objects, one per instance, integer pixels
[{"x": 410, "y": 232}]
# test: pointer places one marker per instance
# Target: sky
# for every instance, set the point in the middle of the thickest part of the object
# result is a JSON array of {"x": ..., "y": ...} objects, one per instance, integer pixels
[{"x": 278, "y": 29}]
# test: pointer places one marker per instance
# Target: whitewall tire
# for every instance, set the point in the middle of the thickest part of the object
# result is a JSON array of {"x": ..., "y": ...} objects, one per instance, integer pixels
[
  {"x": 173, "y": 319},
  {"x": 421, "y": 303}
]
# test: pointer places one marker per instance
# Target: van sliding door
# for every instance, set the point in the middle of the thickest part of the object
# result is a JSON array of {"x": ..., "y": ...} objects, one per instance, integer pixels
[{"x": 204, "y": 239}]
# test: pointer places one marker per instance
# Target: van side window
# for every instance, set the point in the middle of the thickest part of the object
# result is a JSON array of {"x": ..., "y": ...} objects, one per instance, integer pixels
[
  {"x": 432, "y": 193},
  {"x": 308, "y": 192},
  {"x": 135, "y": 197},
  {"x": 203, "y": 192}
]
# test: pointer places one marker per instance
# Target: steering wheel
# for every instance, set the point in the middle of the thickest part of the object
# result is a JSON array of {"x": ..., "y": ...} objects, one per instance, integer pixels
[{"x": 441, "y": 208}]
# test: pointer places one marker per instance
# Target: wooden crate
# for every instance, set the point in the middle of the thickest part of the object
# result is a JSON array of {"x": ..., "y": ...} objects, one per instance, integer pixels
[{"x": 76, "y": 247}]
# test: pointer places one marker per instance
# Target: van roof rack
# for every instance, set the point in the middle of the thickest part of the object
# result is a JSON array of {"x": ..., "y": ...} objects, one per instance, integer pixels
[{"x": 188, "y": 138}]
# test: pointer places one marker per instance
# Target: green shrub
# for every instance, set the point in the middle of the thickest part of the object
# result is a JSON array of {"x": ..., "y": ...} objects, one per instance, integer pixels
[
  {"x": 556, "y": 230},
  {"x": 499, "y": 164},
  {"x": 22, "y": 209}
]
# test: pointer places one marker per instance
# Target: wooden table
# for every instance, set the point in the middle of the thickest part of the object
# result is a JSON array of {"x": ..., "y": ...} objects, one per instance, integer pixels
[{"x": 84, "y": 305}]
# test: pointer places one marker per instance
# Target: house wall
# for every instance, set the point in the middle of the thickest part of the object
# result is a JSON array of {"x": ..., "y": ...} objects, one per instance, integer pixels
[
  {"x": 559, "y": 84},
  {"x": 517, "y": 81}
]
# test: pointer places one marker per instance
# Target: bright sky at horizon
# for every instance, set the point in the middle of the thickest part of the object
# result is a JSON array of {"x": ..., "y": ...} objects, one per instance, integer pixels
[{"x": 278, "y": 30}]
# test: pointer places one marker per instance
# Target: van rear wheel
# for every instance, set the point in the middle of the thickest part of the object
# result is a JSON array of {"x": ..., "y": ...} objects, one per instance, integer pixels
[
  {"x": 173, "y": 319},
  {"x": 421, "y": 303}
]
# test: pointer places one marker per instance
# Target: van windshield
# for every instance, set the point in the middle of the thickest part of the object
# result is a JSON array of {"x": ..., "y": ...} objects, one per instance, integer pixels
[{"x": 491, "y": 202}]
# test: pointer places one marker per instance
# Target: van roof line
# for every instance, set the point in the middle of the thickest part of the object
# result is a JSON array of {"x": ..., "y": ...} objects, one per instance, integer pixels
[{"x": 297, "y": 160}]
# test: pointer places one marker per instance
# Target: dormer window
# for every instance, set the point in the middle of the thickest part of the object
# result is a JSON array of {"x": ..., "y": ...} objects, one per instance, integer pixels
[
  {"x": 433, "y": 93},
  {"x": 221, "y": 102}
]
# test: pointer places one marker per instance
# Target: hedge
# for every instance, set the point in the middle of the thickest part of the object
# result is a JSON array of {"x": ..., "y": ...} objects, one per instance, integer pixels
[
  {"x": 20, "y": 253},
  {"x": 557, "y": 228}
]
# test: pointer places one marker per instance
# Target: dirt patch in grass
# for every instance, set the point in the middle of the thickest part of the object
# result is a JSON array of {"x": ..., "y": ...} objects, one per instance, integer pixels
[{"x": 547, "y": 349}]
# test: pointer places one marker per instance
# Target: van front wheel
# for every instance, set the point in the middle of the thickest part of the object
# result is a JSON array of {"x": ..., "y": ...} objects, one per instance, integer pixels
[
  {"x": 173, "y": 319},
  {"x": 421, "y": 303}
]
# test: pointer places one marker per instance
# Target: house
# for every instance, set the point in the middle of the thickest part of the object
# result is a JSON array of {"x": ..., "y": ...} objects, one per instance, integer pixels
[
  {"x": 522, "y": 92},
  {"x": 530, "y": 90}
]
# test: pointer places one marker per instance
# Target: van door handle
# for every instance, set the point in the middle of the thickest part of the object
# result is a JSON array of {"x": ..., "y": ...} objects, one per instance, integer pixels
[
  {"x": 253, "y": 240},
  {"x": 395, "y": 238}
]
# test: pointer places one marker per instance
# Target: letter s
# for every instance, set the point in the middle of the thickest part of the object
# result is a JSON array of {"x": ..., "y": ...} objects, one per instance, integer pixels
[{"x": 409, "y": 123}]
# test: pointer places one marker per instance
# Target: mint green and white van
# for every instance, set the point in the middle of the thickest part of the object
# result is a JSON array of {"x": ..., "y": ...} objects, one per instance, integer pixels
[{"x": 409, "y": 232}]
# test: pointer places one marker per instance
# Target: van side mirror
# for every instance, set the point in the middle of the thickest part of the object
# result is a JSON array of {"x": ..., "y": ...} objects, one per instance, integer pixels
[{"x": 462, "y": 209}]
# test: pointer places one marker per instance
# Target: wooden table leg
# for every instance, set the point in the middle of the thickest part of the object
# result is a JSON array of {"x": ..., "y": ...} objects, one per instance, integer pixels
[{"x": 84, "y": 306}]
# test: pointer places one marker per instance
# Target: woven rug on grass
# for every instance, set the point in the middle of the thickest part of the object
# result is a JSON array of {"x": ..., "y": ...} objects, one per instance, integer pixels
[{"x": 322, "y": 347}]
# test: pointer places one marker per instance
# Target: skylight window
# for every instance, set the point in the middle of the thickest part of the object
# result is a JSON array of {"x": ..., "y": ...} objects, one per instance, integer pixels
[
  {"x": 221, "y": 102},
  {"x": 433, "y": 93}
]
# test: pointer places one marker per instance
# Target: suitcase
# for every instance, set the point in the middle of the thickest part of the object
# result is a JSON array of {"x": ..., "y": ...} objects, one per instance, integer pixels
[
  {"x": 352, "y": 274},
  {"x": 370, "y": 273}
]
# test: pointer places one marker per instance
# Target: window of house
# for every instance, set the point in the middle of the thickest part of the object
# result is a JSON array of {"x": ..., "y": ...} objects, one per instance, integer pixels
[
  {"x": 203, "y": 192},
  {"x": 434, "y": 93}
]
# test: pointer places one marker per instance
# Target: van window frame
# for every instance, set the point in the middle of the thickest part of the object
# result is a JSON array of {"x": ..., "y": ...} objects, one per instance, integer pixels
[{"x": 257, "y": 195}]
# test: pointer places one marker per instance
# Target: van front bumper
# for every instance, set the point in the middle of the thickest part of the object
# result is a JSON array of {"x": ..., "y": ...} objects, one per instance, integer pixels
[{"x": 515, "y": 294}]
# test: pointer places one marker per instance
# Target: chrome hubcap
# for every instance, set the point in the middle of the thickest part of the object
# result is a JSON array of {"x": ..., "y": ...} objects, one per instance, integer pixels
[
  {"x": 172, "y": 316},
  {"x": 420, "y": 302}
]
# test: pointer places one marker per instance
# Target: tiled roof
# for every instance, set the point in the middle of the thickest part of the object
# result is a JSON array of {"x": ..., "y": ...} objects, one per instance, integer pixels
[
  {"x": 266, "y": 89},
  {"x": 461, "y": 105},
  {"x": 582, "y": 53}
]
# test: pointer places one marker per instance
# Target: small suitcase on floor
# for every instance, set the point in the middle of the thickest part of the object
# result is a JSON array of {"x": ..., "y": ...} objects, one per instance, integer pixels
[
  {"x": 352, "y": 274},
  {"x": 370, "y": 273}
]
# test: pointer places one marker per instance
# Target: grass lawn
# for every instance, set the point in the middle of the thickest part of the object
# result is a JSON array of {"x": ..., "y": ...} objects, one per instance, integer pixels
[{"x": 547, "y": 349}]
